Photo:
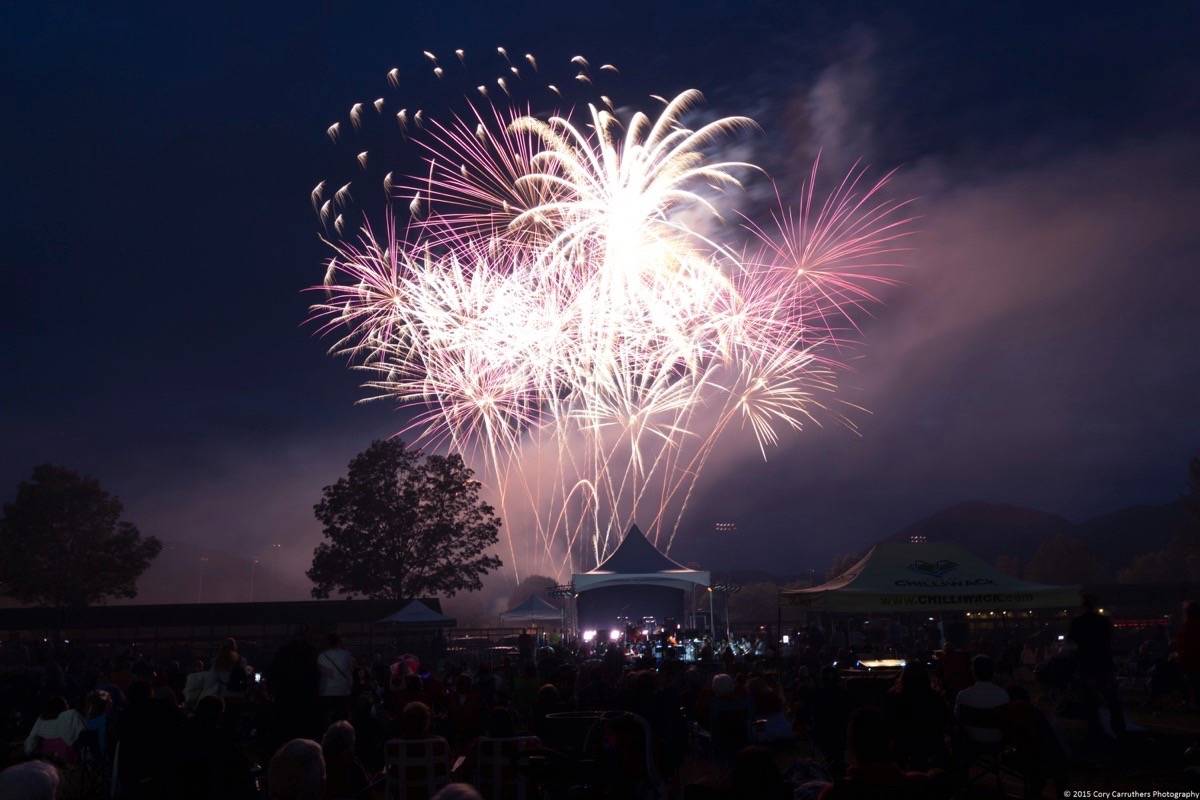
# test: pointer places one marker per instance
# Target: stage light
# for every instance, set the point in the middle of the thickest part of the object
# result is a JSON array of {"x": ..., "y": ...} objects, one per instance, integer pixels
[
  {"x": 787, "y": 639},
  {"x": 883, "y": 662},
  {"x": 614, "y": 634},
  {"x": 588, "y": 635},
  {"x": 1061, "y": 637}
]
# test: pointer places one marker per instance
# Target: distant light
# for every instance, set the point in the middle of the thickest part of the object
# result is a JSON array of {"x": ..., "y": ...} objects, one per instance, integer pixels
[
  {"x": 883, "y": 662},
  {"x": 835, "y": 663},
  {"x": 66, "y": 641},
  {"x": 787, "y": 639},
  {"x": 1061, "y": 637},
  {"x": 614, "y": 635},
  {"x": 931, "y": 619},
  {"x": 645, "y": 631},
  {"x": 1102, "y": 611},
  {"x": 258, "y": 677},
  {"x": 725, "y": 527},
  {"x": 588, "y": 635}
]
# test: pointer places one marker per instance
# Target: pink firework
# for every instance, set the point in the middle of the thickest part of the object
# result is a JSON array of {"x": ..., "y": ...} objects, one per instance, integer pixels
[{"x": 570, "y": 307}]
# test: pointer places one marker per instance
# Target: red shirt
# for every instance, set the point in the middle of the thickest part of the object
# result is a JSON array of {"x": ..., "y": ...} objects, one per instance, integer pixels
[{"x": 1188, "y": 645}]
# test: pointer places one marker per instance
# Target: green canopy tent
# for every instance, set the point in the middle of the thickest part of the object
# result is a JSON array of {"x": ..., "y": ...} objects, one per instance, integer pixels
[{"x": 902, "y": 577}]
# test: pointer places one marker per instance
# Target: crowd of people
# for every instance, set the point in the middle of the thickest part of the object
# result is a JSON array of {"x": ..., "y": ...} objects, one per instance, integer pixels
[{"x": 556, "y": 721}]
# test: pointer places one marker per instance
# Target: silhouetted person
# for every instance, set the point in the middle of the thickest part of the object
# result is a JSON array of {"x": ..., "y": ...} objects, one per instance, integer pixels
[
  {"x": 1092, "y": 634},
  {"x": 956, "y": 670},
  {"x": 457, "y": 791},
  {"x": 33, "y": 780},
  {"x": 369, "y": 733},
  {"x": 982, "y": 695},
  {"x": 755, "y": 774},
  {"x": 919, "y": 718},
  {"x": 294, "y": 680},
  {"x": 297, "y": 772},
  {"x": 229, "y": 670},
  {"x": 872, "y": 772},
  {"x": 150, "y": 736},
  {"x": 213, "y": 767},
  {"x": 830, "y": 709},
  {"x": 55, "y": 731},
  {"x": 345, "y": 775},
  {"x": 1037, "y": 753},
  {"x": 416, "y": 721},
  {"x": 336, "y": 666},
  {"x": 1187, "y": 645}
]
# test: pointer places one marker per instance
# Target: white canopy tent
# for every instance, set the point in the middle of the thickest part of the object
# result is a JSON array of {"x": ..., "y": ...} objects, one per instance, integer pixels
[
  {"x": 534, "y": 609},
  {"x": 925, "y": 577},
  {"x": 417, "y": 615},
  {"x": 634, "y": 583},
  {"x": 637, "y": 561}
]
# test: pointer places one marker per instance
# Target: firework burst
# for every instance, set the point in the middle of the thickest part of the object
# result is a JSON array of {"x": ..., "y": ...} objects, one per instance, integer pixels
[{"x": 573, "y": 306}]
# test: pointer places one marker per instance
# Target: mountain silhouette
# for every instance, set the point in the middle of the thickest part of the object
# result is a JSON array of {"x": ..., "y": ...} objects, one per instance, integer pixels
[{"x": 992, "y": 530}]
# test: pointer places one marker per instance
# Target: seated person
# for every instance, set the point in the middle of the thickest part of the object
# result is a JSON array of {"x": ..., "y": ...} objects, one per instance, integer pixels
[
  {"x": 55, "y": 731},
  {"x": 1038, "y": 754},
  {"x": 199, "y": 683},
  {"x": 98, "y": 717},
  {"x": 872, "y": 771},
  {"x": 32, "y": 780},
  {"x": 755, "y": 774},
  {"x": 919, "y": 718},
  {"x": 345, "y": 775},
  {"x": 211, "y": 765},
  {"x": 982, "y": 695},
  {"x": 297, "y": 772},
  {"x": 829, "y": 707},
  {"x": 416, "y": 722}
]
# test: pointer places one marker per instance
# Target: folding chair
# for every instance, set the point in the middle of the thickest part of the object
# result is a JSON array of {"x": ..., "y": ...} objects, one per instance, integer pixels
[
  {"x": 498, "y": 772},
  {"x": 416, "y": 768},
  {"x": 987, "y": 754}
]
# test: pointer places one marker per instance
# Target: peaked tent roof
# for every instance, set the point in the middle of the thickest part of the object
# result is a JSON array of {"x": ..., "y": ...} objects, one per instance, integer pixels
[
  {"x": 534, "y": 609},
  {"x": 636, "y": 560},
  {"x": 417, "y": 614},
  {"x": 933, "y": 576},
  {"x": 636, "y": 554}
]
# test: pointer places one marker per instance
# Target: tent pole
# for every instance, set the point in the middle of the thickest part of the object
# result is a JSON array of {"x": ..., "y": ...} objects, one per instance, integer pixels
[{"x": 712, "y": 625}]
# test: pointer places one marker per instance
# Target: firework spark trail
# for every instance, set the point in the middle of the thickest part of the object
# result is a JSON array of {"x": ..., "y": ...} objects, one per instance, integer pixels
[{"x": 569, "y": 307}]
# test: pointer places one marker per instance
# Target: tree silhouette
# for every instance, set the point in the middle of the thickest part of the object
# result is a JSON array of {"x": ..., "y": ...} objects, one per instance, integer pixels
[
  {"x": 403, "y": 524},
  {"x": 63, "y": 543}
]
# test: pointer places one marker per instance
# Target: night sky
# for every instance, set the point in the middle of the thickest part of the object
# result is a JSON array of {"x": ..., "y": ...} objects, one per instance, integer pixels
[{"x": 1043, "y": 348}]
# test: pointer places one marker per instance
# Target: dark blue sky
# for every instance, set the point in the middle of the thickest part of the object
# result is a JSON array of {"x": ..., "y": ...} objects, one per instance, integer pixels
[{"x": 1043, "y": 350}]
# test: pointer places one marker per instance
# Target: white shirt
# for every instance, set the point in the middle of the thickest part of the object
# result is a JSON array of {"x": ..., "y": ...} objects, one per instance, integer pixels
[
  {"x": 66, "y": 726},
  {"x": 337, "y": 672},
  {"x": 983, "y": 694},
  {"x": 199, "y": 684}
]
